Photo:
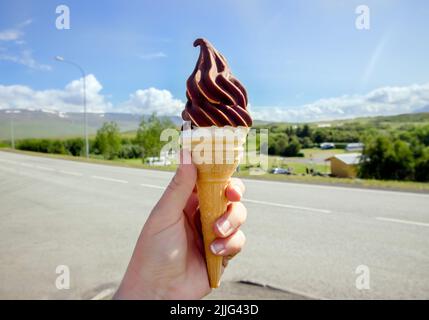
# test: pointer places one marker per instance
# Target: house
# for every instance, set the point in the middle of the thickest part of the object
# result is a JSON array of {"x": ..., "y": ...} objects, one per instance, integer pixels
[
  {"x": 354, "y": 146},
  {"x": 344, "y": 165}
]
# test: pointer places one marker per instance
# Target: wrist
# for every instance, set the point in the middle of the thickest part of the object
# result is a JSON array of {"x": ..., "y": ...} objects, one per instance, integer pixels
[{"x": 133, "y": 288}]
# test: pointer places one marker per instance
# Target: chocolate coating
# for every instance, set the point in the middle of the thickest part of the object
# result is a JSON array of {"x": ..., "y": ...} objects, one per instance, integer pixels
[{"x": 215, "y": 97}]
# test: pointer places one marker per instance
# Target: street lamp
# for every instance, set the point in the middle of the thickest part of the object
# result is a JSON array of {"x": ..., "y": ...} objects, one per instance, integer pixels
[
  {"x": 12, "y": 129},
  {"x": 61, "y": 59}
]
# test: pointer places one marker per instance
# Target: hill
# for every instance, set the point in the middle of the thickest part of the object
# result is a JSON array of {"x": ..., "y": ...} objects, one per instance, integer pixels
[{"x": 50, "y": 124}]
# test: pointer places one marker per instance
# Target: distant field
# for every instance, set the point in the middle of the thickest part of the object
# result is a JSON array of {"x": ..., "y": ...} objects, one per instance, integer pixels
[{"x": 317, "y": 153}]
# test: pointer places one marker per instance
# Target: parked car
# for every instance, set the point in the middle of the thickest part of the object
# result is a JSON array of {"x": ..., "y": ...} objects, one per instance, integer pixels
[
  {"x": 280, "y": 171},
  {"x": 327, "y": 145}
]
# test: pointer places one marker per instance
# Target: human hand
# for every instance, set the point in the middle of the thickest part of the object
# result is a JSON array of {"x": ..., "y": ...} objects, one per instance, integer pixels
[{"x": 168, "y": 261}]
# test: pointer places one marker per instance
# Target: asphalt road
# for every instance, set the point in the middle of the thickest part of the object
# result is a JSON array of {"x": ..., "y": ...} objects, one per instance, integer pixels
[{"x": 304, "y": 239}]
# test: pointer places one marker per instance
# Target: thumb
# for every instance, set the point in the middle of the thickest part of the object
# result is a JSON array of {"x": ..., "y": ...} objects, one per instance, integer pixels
[{"x": 173, "y": 201}]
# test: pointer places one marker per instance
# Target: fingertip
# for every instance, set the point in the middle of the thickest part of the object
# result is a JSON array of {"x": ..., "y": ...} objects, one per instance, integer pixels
[{"x": 233, "y": 193}]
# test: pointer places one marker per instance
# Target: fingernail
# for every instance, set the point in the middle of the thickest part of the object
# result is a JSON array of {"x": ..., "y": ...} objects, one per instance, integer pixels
[
  {"x": 224, "y": 227},
  {"x": 238, "y": 190},
  {"x": 217, "y": 248}
]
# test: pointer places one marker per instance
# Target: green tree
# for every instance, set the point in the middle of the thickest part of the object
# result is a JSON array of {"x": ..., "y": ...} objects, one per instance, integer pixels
[
  {"x": 108, "y": 140},
  {"x": 303, "y": 132},
  {"x": 422, "y": 167},
  {"x": 385, "y": 158},
  {"x": 148, "y": 135},
  {"x": 293, "y": 147}
]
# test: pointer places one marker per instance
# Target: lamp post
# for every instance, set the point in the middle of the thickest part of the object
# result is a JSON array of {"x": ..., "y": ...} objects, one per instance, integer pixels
[
  {"x": 12, "y": 127},
  {"x": 61, "y": 59}
]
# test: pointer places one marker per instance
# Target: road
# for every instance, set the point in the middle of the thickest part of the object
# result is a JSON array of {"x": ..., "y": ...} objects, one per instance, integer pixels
[{"x": 305, "y": 239}]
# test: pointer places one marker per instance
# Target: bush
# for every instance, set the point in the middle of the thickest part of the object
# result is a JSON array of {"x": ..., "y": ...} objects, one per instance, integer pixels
[
  {"x": 75, "y": 146},
  {"x": 130, "y": 151},
  {"x": 42, "y": 145},
  {"x": 422, "y": 167},
  {"x": 57, "y": 147}
]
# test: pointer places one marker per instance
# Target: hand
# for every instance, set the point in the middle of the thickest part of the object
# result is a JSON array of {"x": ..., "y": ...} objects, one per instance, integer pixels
[{"x": 168, "y": 260}]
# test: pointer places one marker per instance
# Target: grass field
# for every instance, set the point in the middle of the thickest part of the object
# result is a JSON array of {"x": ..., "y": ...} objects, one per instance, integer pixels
[
  {"x": 374, "y": 184},
  {"x": 317, "y": 153}
]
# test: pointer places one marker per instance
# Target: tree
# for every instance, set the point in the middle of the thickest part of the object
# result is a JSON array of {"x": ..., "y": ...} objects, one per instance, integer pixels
[
  {"x": 303, "y": 132},
  {"x": 108, "y": 140},
  {"x": 422, "y": 167},
  {"x": 292, "y": 148},
  {"x": 320, "y": 136},
  {"x": 148, "y": 135},
  {"x": 386, "y": 158}
]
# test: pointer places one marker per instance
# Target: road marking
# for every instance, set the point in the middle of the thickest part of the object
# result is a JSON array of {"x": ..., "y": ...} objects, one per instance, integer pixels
[
  {"x": 45, "y": 168},
  {"x": 8, "y": 161},
  {"x": 257, "y": 201},
  {"x": 77, "y": 174},
  {"x": 422, "y": 224},
  {"x": 151, "y": 186},
  {"x": 345, "y": 188},
  {"x": 27, "y": 165},
  {"x": 109, "y": 179},
  {"x": 287, "y": 206}
]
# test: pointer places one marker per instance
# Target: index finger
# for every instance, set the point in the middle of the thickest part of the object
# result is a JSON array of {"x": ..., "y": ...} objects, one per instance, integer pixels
[{"x": 235, "y": 189}]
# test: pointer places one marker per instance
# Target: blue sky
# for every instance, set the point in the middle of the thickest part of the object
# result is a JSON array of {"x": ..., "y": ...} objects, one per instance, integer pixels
[{"x": 291, "y": 55}]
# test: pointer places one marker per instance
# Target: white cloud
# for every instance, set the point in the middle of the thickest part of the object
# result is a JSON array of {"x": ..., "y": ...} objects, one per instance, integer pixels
[
  {"x": 152, "y": 100},
  {"x": 381, "y": 101},
  {"x": 68, "y": 99},
  {"x": 9, "y": 35},
  {"x": 15, "y": 51},
  {"x": 25, "y": 58},
  {"x": 144, "y": 101},
  {"x": 14, "y": 33},
  {"x": 153, "y": 55}
]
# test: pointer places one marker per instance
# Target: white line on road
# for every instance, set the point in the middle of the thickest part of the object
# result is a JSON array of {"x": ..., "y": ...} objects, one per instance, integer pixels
[
  {"x": 8, "y": 161},
  {"x": 287, "y": 206},
  {"x": 345, "y": 189},
  {"x": 109, "y": 179},
  {"x": 151, "y": 186},
  {"x": 27, "y": 165},
  {"x": 257, "y": 201},
  {"x": 77, "y": 174},
  {"x": 422, "y": 224},
  {"x": 45, "y": 168}
]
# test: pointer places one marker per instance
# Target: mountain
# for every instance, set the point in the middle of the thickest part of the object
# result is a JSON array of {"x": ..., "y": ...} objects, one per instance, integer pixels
[
  {"x": 50, "y": 124},
  {"x": 424, "y": 109},
  {"x": 53, "y": 124}
]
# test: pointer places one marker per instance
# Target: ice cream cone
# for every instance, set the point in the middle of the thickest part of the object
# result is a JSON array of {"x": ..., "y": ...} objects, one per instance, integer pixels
[{"x": 216, "y": 160}]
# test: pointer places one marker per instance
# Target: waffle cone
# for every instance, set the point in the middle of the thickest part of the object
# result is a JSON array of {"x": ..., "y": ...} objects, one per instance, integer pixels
[{"x": 212, "y": 180}]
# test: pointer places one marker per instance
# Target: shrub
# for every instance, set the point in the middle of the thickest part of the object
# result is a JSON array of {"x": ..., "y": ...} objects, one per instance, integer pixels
[{"x": 75, "y": 146}]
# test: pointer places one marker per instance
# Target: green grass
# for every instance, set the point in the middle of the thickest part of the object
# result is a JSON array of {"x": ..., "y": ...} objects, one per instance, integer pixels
[{"x": 321, "y": 154}]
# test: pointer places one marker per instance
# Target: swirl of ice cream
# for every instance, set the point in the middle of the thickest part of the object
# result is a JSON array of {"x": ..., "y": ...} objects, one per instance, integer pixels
[{"x": 215, "y": 97}]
